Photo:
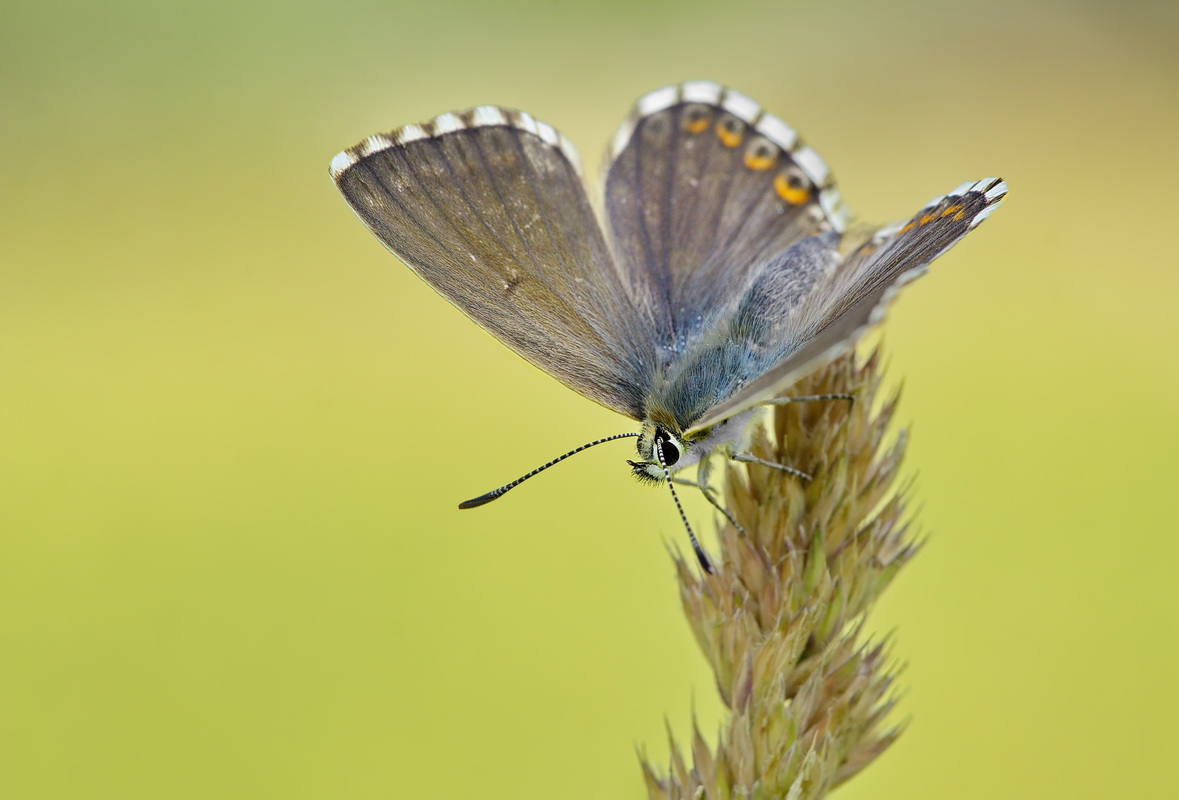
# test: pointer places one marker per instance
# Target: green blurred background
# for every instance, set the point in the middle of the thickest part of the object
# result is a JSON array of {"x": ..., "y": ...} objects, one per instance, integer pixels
[{"x": 234, "y": 429}]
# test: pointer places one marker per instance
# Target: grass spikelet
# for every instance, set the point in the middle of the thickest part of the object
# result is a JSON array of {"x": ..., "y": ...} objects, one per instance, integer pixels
[{"x": 781, "y": 622}]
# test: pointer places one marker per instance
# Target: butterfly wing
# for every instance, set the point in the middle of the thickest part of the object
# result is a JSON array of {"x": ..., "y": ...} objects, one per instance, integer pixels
[
  {"x": 825, "y": 320},
  {"x": 488, "y": 207},
  {"x": 701, "y": 188}
]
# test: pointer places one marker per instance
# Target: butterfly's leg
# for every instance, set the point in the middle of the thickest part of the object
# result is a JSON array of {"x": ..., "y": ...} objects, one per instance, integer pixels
[
  {"x": 781, "y": 401},
  {"x": 747, "y": 458},
  {"x": 710, "y": 496},
  {"x": 709, "y": 493}
]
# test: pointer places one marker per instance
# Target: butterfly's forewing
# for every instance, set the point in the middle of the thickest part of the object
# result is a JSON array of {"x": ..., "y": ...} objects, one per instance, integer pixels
[
  {"x": 701, "y": 188},
  {"x": 488, "y": 207},
  {"x": 853, "y": 297}
]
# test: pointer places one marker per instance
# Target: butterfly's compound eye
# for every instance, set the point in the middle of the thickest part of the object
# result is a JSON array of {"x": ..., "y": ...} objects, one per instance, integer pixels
[{"x": 669, "y": 446}]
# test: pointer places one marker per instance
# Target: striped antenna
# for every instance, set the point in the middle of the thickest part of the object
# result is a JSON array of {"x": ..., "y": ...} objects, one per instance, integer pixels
[
  {"x": 494, "y": 494},
  {"x": 700, "y": 554}
]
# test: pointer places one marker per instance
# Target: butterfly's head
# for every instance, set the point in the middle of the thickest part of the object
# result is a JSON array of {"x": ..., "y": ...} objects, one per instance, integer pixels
[
  {"x": 682, "y": 450},
  {"x": 655, "y": 439}
]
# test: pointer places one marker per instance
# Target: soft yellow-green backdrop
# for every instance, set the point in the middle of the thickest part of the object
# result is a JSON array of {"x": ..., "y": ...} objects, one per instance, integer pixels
[{"x": 233, "y": 429}]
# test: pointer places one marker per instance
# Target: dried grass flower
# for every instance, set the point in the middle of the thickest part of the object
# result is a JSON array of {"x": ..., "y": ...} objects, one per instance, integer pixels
[{"x": 781, "y": 620}]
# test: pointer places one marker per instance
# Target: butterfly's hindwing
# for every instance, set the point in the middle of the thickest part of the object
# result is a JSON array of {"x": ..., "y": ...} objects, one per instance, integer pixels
[
  {"x": 702, "y": 188},
  {"x": 854, "y": 296}
]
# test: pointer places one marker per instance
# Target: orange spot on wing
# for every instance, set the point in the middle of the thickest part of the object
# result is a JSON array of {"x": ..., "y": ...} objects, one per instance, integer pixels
[
  {"x": 728, "y": 138},
  {"x": 795, "y": 196},
  {"x": 697, "y": 125},
  {"x": 907, "y": 228},
  {"x": 758, "y": 163},
  {"x": 952, "y": 210},
  {"x": 961, "y": 215}
]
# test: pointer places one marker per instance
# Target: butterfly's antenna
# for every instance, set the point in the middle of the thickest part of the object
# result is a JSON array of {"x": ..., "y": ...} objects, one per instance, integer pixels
[
  {"x": 700, "y": 555},
  {"x": 501, "y": 491}
]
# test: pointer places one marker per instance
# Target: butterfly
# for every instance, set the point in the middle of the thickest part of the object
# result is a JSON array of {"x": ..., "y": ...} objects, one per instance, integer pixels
[{"x": 719, "y": 270}]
